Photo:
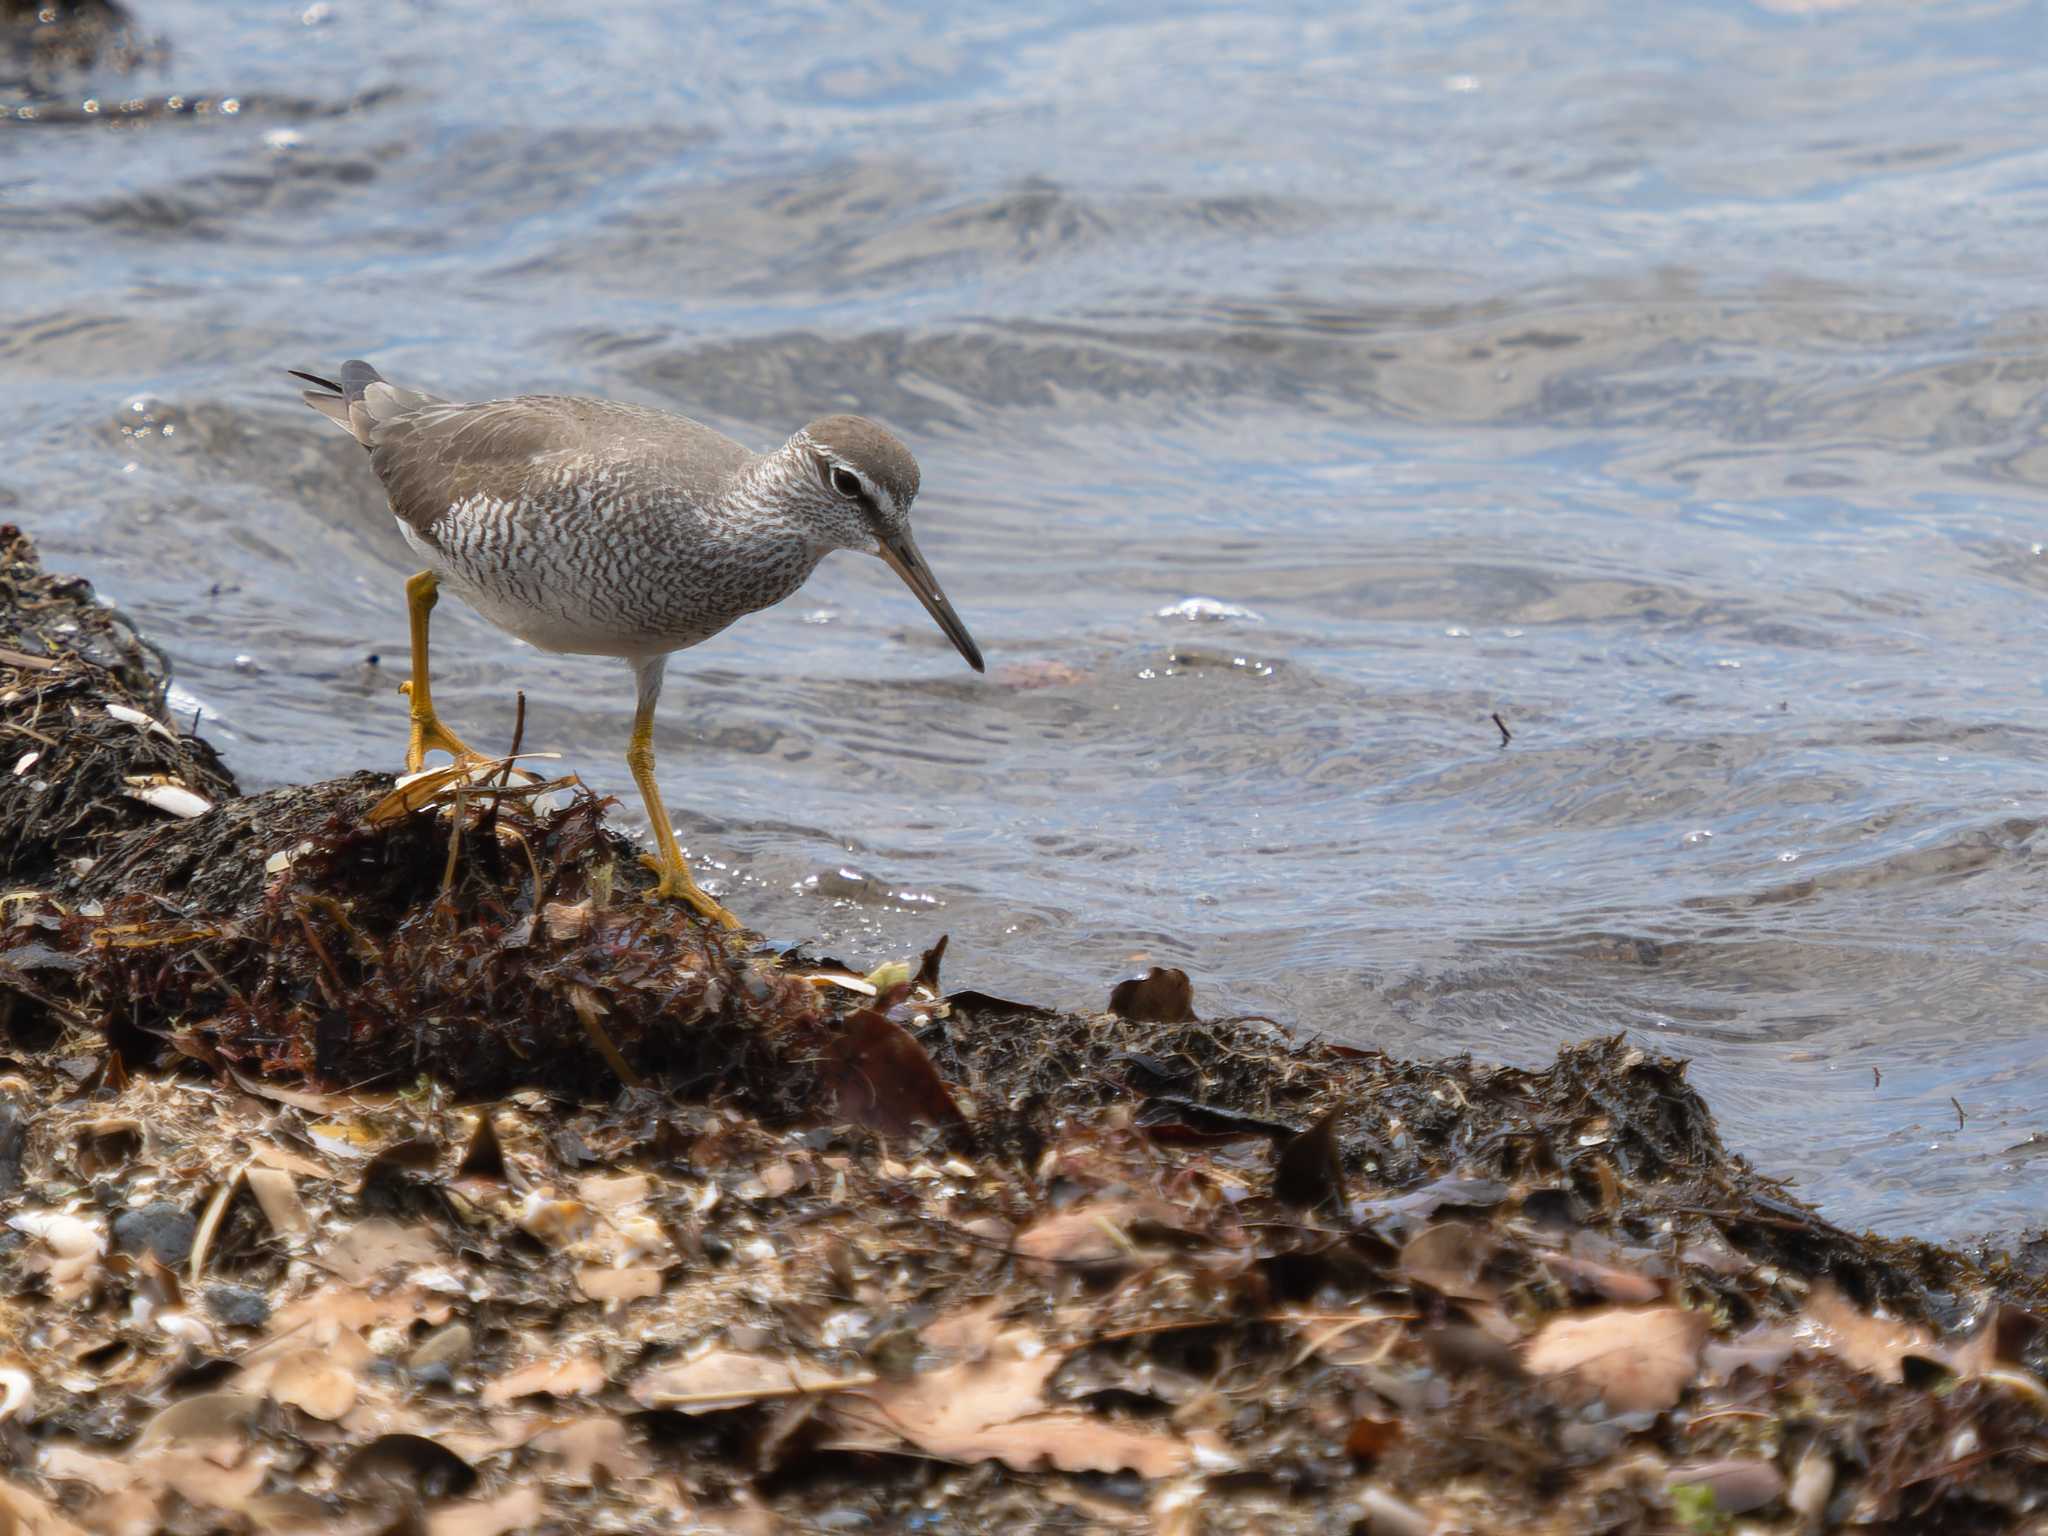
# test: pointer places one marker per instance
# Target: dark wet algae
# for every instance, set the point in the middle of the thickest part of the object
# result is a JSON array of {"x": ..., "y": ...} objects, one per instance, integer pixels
[{"x": 312, "y": 939}]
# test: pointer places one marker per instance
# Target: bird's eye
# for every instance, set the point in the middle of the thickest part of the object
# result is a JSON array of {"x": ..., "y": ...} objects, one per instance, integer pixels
[{"x": 846, "y": 483}]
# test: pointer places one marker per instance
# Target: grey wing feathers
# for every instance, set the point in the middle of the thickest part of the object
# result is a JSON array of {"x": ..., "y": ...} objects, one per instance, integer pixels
[
  {"x": 433, "y": 454},
  {"x": 363, "y": 401}
]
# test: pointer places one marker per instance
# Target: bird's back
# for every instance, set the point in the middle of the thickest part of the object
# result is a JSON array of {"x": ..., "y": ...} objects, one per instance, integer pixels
[{"x": 542, "y": 454}]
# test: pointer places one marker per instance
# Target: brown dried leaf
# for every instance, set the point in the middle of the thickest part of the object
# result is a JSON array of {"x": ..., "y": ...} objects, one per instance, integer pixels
[
  {"x": 995, "y": 1410},
  {"x": 576, "y": 1376},
  {"x": 601, "y": 1283},
  {"x": 204, "y": 1483},
  {"x": 290, "y": 1513},
  {"x": 373, "y": 1246},
  {"x": 1095, "y": 1231},
  {"x": 72, "y": 1464},
  {"x": 726, "y": 1378},
  {"x": 1634, "y": 1358},
  {"x": 1875, "y": 1344},
  {"x": 876, "y": 1075},
  {"x": 612, "y": 1193},
  {"x": 515, "y": 1510},
  {"x": 208, "y": 1416},
  {"x": 565, "y": 921},
  {"x": 1162, "y": 995},
  {"x": 1583, "y": 1274},
  {"x": 1370, "y": 1438},
  {"x": 590, "y": 1446},
  {"x": 1449, "y": 1257},
  {"x": 1308, "y": 1170},
  {"x": 312, "y": 1381},
  {"x": 277, "y": 1195},
  {"x": 344, "y": 1306},
  {"x": 265, "y": 1154}
]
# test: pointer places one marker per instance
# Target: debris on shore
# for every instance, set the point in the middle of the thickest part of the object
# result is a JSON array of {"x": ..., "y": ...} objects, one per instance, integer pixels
[{"x": 374, "y": 1157}]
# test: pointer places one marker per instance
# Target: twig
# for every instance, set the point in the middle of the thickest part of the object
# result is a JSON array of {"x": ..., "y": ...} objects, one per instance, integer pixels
[
  {"x": 1506, "y": 735},
  {"x": 518, "y": 736},
  {"x": 532, "y": 863},
  {"x": 588, "y": 1009},
  {"x": 1960, "y": 1116},
  {"x": 454, "y": 838},
  {"x": 335, "y": 991},
  {"x": 489, "y": 821}
]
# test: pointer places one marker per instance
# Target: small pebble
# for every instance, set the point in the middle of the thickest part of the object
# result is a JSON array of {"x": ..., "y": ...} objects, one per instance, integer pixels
[
  {"x": 164, "y": 1229},
  {"x": 238, "y": 1306}
]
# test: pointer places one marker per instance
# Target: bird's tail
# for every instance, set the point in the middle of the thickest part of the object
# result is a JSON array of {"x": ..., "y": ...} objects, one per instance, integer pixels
[{"x": 362, "y": 401}]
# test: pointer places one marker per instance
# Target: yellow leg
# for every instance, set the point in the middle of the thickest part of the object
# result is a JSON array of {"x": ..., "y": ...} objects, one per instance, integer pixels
[
  {"x": 677, "y": 883},
  {"x": 428, "y": 733}
]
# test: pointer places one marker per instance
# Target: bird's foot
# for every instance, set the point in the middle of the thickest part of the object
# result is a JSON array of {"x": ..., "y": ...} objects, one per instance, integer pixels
[
  {"x": 430, "y": 735},
  {"x": 677, "y": 885}
]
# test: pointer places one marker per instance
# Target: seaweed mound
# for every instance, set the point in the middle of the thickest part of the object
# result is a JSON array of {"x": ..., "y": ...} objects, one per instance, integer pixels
[{"x": 374, "y": 1157}]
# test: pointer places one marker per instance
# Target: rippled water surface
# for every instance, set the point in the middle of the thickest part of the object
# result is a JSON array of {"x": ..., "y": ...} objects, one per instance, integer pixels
[{"x": 1295, "y": 390}]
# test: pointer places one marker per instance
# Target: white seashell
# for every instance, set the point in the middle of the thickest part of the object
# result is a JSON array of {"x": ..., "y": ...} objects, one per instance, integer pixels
[
  {"x": 174, "y": 798},
  {"x": 136, "y": 717}
]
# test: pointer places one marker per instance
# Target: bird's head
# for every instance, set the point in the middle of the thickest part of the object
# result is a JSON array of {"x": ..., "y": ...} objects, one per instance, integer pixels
[{"x": 864, "y": 480}]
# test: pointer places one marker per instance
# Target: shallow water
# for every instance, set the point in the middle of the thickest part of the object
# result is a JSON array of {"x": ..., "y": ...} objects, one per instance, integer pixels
[{"x": 1668, "y": 382}]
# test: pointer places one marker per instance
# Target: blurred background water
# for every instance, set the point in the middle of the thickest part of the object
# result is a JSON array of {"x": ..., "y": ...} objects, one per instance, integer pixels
[{"x": 1296, "y": 387}]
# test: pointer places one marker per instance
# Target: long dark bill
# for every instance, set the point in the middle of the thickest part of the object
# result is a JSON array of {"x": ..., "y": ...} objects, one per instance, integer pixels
[{"x": 906, "y": 562}]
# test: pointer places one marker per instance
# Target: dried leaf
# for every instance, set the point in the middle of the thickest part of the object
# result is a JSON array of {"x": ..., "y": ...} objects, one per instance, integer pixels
[
  {"x": 1589, "y": 1275},
  {"x": 289, "y": 1513},
  {"x": 1738, "y": 1484},
  {"x": 601, "y": 1283},
  {"x": 590, "y": 1446},
  {"x": 927, "y": 978},
  {"x": 726, "y": 1378},
  {"x": 1634, "y": 1358},
  {"x": 1387, "y": 1514},
  {"x": 576, "y": 1376},
  {"x": 995, "y": 1409},
  {"x": 1094, "y": 1232},
  {"x": 311, "y": 1381},
  {"x": 277, "y": 1196},
  {"x": 1875, "y": 1344},
  {"x": 1449, "y": 1257},
  {"x": 515, "y": 1510},
  {"x": 73, "y": 1464},
  {"x": 1370, "y": 1438},
  {"x": 1309, "y": 1170},
  {"x": 374, "y": 1246},
  {"x": 565, "y": 920},
  {"x": 332, "y": 1309},
  {"x": 204, "y": 1483},
  {"x": 209, "y": 1416},
  {"x": 878, "y": 1076},
  {"x": 1162, "y": 995}
]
